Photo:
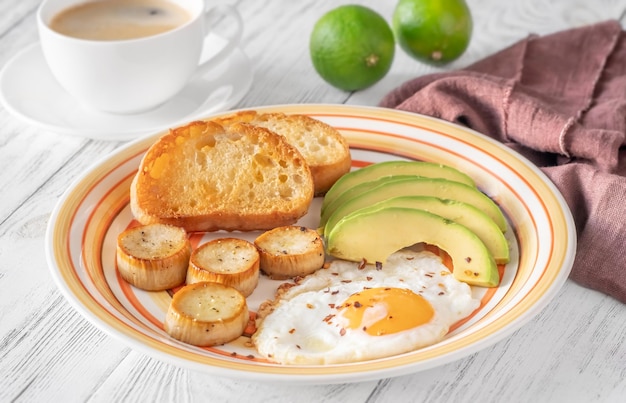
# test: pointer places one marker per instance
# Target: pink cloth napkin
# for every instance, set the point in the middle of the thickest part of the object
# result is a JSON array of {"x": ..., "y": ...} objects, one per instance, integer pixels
[{"x": 560, "y": 100}]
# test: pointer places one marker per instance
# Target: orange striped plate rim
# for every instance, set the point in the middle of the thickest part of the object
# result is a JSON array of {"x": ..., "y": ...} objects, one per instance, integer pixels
[{"x": 80, "y": 245}]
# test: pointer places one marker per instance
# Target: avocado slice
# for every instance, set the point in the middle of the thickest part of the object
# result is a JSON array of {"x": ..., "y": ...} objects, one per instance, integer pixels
[
  {"x": 356, "y": 191},
  {"x": 393, "y": 168},
  {"x": 373, "y": 233},
  {"x": 417, "y": 186},
  {"x": 461, "y": 213}
]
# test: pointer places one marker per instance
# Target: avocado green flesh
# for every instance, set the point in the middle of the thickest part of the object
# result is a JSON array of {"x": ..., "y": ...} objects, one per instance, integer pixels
[
  {"x": 393, "y": 168},
  {"x": 417, "y": 186},
  {"x": 375, "y": 233},
  {"x": 461, "y": 213}
]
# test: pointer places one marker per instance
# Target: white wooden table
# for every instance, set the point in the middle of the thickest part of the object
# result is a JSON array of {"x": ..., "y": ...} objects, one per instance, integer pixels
[{"x": 572, "y": 351}]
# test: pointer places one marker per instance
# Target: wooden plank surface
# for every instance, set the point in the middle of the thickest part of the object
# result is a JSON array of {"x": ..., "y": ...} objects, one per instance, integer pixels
[{"x": 574, "y": 350}]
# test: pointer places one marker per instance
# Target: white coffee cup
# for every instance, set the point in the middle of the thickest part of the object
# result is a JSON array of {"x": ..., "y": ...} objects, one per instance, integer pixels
[{"x": 133, "y": 75}]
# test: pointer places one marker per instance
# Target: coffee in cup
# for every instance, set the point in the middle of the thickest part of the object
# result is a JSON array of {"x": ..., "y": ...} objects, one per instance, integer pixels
[
  {"x": 119, "y": 19},
  {"x": 146, "y": 67}
]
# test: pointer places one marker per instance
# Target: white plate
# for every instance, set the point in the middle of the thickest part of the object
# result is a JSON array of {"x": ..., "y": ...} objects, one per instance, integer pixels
[
  {"x": 29, "y": 91},
  {"x": 81, "y": 243}
]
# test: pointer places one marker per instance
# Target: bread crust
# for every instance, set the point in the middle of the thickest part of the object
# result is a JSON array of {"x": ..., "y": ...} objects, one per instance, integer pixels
[{"x": 205, "y": 177}]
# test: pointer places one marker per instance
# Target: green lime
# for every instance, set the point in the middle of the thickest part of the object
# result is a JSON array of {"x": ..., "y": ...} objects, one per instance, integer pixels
[
  {"x": 352, "y": 47},
  {"x": 434, "y": 32}
]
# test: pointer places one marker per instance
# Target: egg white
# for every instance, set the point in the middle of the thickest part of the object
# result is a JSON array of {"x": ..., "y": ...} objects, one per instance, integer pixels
[{"x": 305, "y": 326}]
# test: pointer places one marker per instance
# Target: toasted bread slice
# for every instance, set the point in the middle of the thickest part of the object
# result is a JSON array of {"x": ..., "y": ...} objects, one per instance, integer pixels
[
  {"x": 323, "y": 147},
  {"x": 204, "y": 177},
  {"x": 290, "y": 251}
]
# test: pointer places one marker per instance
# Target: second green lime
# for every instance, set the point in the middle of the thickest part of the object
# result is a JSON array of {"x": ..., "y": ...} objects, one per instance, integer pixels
[
  {"x": 434, "y": 32},
  {"x": 352, "y": 47}
]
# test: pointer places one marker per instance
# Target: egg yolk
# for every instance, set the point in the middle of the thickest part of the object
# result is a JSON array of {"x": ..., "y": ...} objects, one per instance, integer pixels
[{"x": 380, "y": 311}]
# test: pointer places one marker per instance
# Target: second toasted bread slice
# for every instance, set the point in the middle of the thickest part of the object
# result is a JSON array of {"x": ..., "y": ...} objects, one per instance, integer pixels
[
  {"x": 205, "y": 177},
  {"x": 324, "y": 148}
]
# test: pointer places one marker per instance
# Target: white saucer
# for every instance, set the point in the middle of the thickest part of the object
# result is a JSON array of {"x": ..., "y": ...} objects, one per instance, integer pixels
[{"x": 29, "y": 91}]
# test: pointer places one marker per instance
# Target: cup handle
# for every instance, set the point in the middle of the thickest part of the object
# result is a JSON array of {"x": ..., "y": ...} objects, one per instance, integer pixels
[{"x": 233, "y": 38}]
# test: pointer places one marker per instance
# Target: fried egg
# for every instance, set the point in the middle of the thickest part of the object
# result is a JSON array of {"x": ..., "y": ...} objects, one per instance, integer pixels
[{"x": 352, "y": 312}]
